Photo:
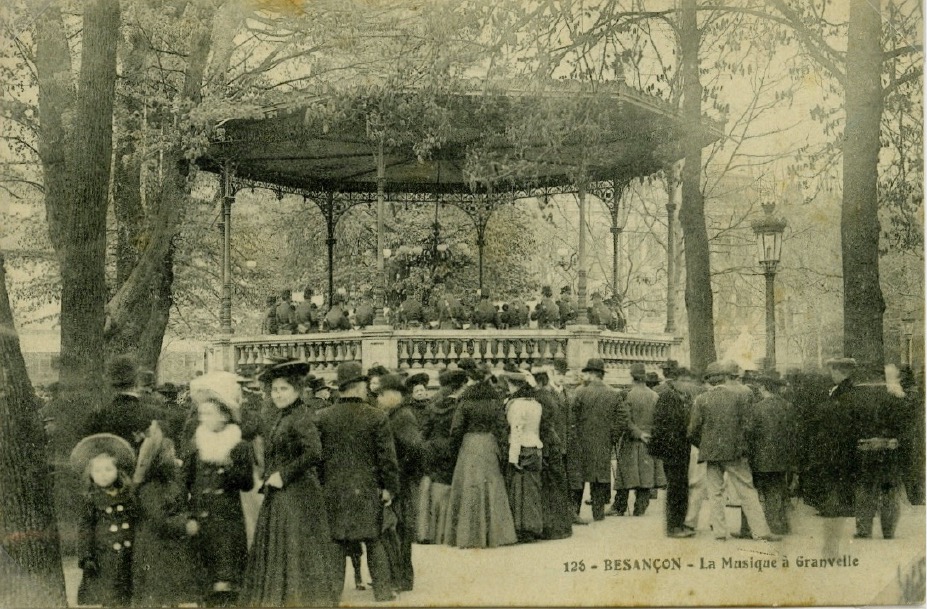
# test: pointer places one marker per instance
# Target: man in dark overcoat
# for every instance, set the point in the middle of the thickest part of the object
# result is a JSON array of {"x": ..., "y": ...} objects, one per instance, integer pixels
[
  {"x": 875, "y": 422},
  {"x": 636, "y": 469},
  {"x": 598, "y": 418},
  {"x": 772, "y": 439},
  {"x": 360, "y": 473},
  {"x": 669, "y": 443}
]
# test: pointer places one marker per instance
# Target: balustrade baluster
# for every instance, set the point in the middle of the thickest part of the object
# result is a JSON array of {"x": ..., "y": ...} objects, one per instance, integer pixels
[
  {"x": 518, "y": 351},
  {"x": 429, "y": 356},
  {"x": 441, "y": 352},
  {"x": 402, "y": 346}
]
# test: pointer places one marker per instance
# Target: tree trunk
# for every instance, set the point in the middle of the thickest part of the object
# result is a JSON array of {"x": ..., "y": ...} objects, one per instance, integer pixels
[
  {"x": 128, "y": 203},
  {"x": 699, "y": 299},
  {"x": 75, "y": 143},
  {"x": 859, "y": 224},
  {"x": 140, "y": 308},
  {"x": 31, "y": 569},
  {"x": 56, "y": 98},
  {"x": 83, "y": 257}
]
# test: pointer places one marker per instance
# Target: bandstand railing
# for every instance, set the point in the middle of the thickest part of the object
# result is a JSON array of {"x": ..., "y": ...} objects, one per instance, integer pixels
[
  {"x": 441, "y": 348},
  {"x": 322, "y": 351},
  {"x": 426, "y": 349}
]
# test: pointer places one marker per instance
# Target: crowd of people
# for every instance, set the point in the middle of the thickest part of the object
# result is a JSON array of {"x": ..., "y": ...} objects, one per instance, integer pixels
[
  {"x": 444, "y": 311},
  {"x": 373, "y": 461}
]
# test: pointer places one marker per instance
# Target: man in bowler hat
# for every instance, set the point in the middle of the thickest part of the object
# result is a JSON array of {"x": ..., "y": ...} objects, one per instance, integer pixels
[
  {"x": 598, "y": 421},
  {"x": 360, "y": 472}
]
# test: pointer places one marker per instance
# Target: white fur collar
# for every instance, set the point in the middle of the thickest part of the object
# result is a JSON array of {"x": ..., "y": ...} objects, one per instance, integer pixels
[{"x": 216, "y": 446}]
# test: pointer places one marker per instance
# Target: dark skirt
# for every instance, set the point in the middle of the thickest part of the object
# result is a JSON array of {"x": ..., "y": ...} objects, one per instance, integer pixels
[
  {"x": 478, "y": 510},
  {"x": 431, "y": 519},
  {"x": 524, "y": 492},
  {"x": 555, "y": 499},
  {"x": 293, "y": 561}
]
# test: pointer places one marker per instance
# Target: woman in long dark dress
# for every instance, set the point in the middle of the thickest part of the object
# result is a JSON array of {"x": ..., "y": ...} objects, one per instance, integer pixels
[
  {"x": 293, "y": 561},
  {"x": 478, "y": 511},
  {"x": 407, "y": 436},
  {"x": 440, "y": 457}
]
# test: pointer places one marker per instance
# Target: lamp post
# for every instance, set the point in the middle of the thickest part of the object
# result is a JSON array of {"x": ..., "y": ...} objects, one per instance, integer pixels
[
  {"x": 768, "y": 232},
  {"x": 907, "y": 325}
]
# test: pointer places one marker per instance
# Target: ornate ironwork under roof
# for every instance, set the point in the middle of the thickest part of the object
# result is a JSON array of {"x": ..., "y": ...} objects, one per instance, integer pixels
[{"x": 299, "y": 150}]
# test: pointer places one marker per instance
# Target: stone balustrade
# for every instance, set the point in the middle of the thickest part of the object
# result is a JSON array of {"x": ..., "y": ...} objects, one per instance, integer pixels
[
  {"x": 441, "y": 348},
  {"x": 418, "y": 349}
]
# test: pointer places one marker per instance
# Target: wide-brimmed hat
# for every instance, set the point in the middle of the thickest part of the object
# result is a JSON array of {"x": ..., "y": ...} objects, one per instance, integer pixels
[
  {"x": 421, "y": 378},
  {"x": 519, "y": 376},
  {"x": 220, "y": 386},
  {"x": 452, "y": 377},
  {"x": 652, "y": 378},
  {"x": 293, "y": 368},
  {"x": 101, "y": 443},
  {"x": 348, "y": 373},
  {"x": 393, "y": 382},
  {"x": 638, "y": 371},
  {"x": 595, "y": 364}
]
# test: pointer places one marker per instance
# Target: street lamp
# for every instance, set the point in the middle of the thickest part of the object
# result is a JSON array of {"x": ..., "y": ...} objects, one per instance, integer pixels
[{"x": 768, "y": 230}]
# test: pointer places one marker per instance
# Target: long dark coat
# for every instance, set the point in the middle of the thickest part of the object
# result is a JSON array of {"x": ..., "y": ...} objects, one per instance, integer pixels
[
  {"x": 670, "y": 421},
  {"x": 773, "y": 437},
  {"x": 636, "y": 468},
  {"x": 440, "y": 457},
  {"x": 221, "y": 545},
  {"x": 598, "y": 419},
  {"x": 359, "y": 460},
  {"x": 293, "y": 560},
  {"x": 106, "y": 536},
  {"x": 558, "y": 509},
  {"x": 410, "y": 453},
  {"x": 164, "y": 571}
]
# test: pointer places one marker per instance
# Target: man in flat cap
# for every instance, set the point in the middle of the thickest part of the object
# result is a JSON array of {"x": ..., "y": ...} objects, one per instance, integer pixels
[
  {"x": 718, "y": 428},
  {"x": 598, "y": 420},
  {"x": 360, "y": 471}
]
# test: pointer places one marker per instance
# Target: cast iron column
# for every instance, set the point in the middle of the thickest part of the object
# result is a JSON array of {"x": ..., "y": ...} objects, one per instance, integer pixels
[
  {"x": 379, "y": 315},
  {"x": 582, "y": 316},
  {"x": 330, "y": 242},
  {"x": 228, "y": 197},
  {"x": 670, "y": 251},
  {"x": 770, "y": 274}
]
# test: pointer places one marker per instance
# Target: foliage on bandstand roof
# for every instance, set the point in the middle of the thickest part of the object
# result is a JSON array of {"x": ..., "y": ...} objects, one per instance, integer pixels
[{"x": 519, "y": 140}]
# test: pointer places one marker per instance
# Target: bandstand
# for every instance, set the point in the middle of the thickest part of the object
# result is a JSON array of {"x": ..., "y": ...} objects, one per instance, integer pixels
[{"x": 338, "y": 165}]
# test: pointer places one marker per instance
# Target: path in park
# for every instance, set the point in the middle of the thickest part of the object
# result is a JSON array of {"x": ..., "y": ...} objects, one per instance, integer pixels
[{"x": 542, "y": 573}]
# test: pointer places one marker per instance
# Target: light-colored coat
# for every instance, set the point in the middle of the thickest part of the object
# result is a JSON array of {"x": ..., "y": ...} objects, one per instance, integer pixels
[{"x": 636, "y": 467}]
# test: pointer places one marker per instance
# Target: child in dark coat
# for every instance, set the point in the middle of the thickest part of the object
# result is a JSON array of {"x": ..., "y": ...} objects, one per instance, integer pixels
[
  {"x": 218, "y": 467},
  {"x": 107, "y": 524}
]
